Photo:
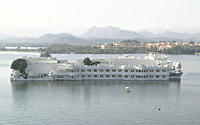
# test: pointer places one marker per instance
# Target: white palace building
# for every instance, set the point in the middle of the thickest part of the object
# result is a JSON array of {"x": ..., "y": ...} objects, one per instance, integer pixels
[{"x": 126, "y": 67}]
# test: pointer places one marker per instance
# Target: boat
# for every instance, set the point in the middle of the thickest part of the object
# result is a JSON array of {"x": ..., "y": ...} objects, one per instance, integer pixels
[
  {"x": 127, "y": 89},
  {"x": 126, "y": 67}
]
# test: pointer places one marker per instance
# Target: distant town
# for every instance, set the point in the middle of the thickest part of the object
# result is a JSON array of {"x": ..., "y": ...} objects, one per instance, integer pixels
[
  {"x": 129, "y": 46},
  {"x": 124, "y": 47}
]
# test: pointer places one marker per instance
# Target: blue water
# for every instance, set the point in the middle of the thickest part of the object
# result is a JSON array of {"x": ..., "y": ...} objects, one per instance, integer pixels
[{"x": 100, "y": 102}]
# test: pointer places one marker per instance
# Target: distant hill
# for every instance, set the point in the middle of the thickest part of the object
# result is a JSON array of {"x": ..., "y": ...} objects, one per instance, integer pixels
[
  {"x": 147, "y": 34},
  {"x": 196, "y": 35},
  {"x": 63, "y": 38},
  {"x": 111, "y": 33},
  {"x": 96, "y": 35},
  {"x": 52, "y": 37},
  {"x": 103, "y": 32},
  {"x": 170, "y": 34}
]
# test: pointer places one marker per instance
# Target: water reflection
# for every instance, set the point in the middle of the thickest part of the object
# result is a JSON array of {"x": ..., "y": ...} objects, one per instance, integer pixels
[
  {"x": 89, "y": 88},
  {"x": 23, "y": 85}
]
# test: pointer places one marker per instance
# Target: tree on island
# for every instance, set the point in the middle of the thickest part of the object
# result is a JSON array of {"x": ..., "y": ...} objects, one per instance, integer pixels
[
  {"x": 19, "y": 64},
  {"x": 87, "y": 61},
  {"x": 45, "y": 54},
  {"x": 191, "y": 42}
]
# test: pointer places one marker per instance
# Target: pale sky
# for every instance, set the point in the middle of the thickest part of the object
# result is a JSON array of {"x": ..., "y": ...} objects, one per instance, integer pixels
[{"x": 34, "y": 17}]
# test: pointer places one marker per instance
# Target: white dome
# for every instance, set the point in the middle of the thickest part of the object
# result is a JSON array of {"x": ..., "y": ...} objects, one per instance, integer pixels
[
  {"x": 50, "y": 73},
  {"x": 16, "y": 73},
  {"x": 71, "y": 66},
  {"x": 142, "y": 66},
  {"x": 178, "y": 64}
]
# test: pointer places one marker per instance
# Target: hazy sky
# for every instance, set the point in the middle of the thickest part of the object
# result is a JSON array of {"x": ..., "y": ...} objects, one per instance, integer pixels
[{"x": 75, "y": 16}]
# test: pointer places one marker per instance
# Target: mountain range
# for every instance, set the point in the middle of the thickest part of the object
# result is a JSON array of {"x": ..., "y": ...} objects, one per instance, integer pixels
[
  {"x": 109, "y": 34},
  {"x": 117, "y": 33}
]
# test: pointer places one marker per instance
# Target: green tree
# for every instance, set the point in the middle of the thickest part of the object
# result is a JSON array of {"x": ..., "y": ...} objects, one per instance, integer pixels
[
  {"x": 87, "y": 61},
  {"x": 191, "y": 42},
  {"x": 45, "y": 54},
  {"x": 19, "y": 64}
]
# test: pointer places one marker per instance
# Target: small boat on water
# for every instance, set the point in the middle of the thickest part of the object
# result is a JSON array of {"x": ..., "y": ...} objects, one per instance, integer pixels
[{"x": 127, "y": 89}]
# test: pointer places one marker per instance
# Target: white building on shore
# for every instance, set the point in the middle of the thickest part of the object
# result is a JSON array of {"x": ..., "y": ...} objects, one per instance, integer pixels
[{"x": 126, "y": 67}]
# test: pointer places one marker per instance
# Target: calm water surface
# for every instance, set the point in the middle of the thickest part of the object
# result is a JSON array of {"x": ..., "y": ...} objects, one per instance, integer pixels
[{"x": 100, "y": 102}]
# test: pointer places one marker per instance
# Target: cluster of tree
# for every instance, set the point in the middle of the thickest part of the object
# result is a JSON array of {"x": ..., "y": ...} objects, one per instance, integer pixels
[
  {"x": 19, "y": 64},
  {"x": 87, "y": 61},
  {"x": 45, "y": 54},
  {"x": 131, "y": 42},
  {"x": 182, "y": 50},
  {"x": 64, "y": 48}
]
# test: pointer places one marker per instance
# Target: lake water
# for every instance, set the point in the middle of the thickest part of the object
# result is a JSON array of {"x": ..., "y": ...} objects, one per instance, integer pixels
[
  {"x": 33, "y": 48},
  {"x": 100, "y": 102}
]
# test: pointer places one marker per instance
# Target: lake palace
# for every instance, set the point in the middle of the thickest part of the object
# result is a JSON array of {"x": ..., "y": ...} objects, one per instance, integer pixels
[{"x": 126, "y": 67}]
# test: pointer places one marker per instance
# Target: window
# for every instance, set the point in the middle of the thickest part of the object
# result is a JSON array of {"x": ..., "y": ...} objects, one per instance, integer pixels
[
  {"x": 163, "y": 76},
  {"x": 101, "y": 75},
  {"x": 125, "y": 70},
  {"x": 157, "y": 76},
  {"x": 132, "y": 70},
  {"x": 157, "y": 70},
  {"x": 101, "y": 70},
  {"x": 95, "y": 70},
  {"x": 82, "y": 76},
  {"x": 126, "y": 76},
  {"x": 132, "y": 76},
  {"x": 150, "y": 70},
  {"x": 95, "y": 75},
  {"x": 113, "y": 75},
  {"x": 89, "y": 75},
  {"x": 119, "y": 70},
  {"x": 82, "y": 70},
  {"x": 107, "y": 76},
  {"x": 163, "y": 70},
  {"x": 119, "y": 76},
  {"x": 114, "y": 70},
  {"x": 59, "y": 76},
  {"x": 89, "y": 70},
  {"x": 107, "y": 70}
]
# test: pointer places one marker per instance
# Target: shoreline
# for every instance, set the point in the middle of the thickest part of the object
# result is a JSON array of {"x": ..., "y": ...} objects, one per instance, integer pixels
[
  {"x": 23, "y": 51},
  {"x": 36, "y": 51}
]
